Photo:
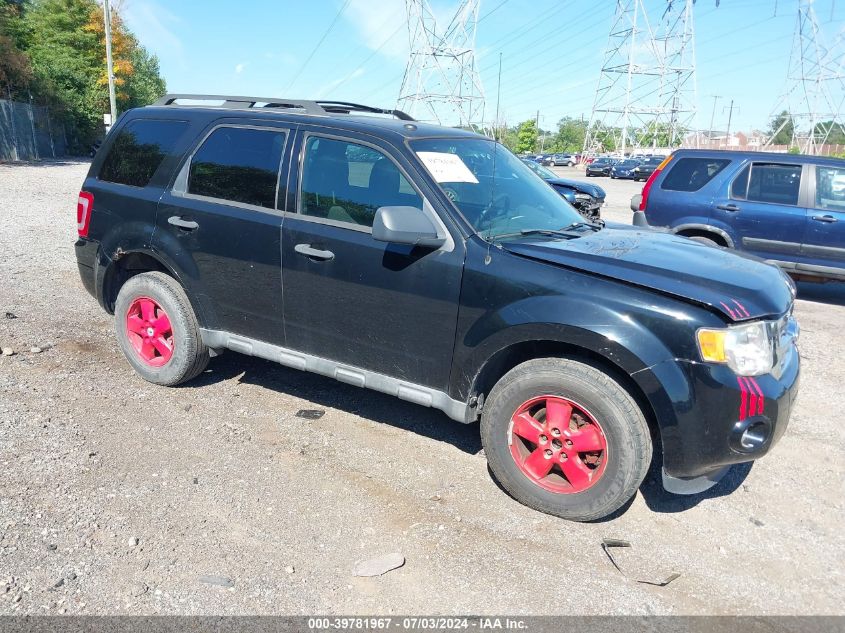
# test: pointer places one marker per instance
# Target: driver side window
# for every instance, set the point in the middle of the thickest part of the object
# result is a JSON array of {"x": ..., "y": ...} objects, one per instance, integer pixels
[{"x": 347, "y": 182}]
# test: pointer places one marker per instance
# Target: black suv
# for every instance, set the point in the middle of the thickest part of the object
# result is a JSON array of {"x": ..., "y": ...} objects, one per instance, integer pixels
[{"x": 430, "y": 263}]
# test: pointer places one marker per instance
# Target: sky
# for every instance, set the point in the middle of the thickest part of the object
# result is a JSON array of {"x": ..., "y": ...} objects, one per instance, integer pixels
[{"x": 552, "y": 51}]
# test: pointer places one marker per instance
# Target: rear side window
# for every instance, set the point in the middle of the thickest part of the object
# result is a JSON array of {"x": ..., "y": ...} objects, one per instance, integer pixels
[
  {"x": 348, "y": 182},
  {"x": 238, "y": 165},
  {"x": 768, "y": 182},
  {"x": 830, "y": 188},
  {"x": 138, "y": 150},
  {"x": 691, "y": 174}
]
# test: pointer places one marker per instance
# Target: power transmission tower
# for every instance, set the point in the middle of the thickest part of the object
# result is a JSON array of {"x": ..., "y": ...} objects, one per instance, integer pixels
[
  {"x": 441, "y": 82},
  {"x": 815, "y": 85},
  {"x": 646, "y": 94}
]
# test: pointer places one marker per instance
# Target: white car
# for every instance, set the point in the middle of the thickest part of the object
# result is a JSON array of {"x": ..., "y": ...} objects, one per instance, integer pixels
[{"x": 837, "y": 185}]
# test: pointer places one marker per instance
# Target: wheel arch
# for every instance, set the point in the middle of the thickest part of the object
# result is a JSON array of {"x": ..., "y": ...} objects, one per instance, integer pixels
[
  {"x": 125, "y": 264},
  {"x": 719, "y": 235},
  {"x": 519, "y": 352},
  {"x": 113, "y": 272}
]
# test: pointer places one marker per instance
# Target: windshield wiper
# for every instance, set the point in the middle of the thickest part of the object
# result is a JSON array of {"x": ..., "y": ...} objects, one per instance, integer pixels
[
  {"x": 579, "y": 225},
  {"x": 565, "y": 232}
]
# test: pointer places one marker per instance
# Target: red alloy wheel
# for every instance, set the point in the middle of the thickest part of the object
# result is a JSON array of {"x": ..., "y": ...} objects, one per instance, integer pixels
[
  {"x": 149, "y": 330},
  {"x": 557, "y": 444}
]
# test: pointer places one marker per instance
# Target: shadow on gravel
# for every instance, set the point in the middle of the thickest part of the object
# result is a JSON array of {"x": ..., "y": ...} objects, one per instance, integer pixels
[
  {"x": 658, "y": 500},
  {"x": 832, "y": 292},
  {"x": 322, "y": 391},
  {"x": 47, "y": 162}
]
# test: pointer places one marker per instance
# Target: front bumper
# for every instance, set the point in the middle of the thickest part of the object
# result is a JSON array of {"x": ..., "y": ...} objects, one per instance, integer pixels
[{"x": 714, "y": 412}]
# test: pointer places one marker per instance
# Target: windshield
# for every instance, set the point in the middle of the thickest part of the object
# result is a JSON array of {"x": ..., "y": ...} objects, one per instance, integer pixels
[
  {"x": 628, "y": 163},
  {"x": 494, "y": 190},
  {"x": 539, "y": 170}
]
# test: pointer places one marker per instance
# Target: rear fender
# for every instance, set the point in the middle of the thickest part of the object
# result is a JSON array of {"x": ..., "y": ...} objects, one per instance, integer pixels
[{"x": 133, "y": 237}]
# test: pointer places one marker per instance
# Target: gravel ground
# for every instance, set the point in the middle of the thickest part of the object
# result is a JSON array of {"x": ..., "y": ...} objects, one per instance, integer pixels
[{"x": 121, "y": 497}]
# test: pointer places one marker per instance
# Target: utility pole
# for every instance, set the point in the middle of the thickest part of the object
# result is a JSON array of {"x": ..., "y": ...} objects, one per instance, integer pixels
[
  {"x": 109, "y": 65},
  {"x": 728, "y": 131},
  {"x": 712, "y": 117}
]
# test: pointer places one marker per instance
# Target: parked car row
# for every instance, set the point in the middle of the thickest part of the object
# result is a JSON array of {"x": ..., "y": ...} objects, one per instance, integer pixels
[
  {"x": 554, "y": 160},
  {"x": 626, "y": 168}
]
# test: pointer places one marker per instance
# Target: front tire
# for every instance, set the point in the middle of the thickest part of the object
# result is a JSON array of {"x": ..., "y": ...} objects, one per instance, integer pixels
[
  {"x": 158, "y": 331},
  {"x": 566, "y": 439},
  {"x": 704, "y": 240}
]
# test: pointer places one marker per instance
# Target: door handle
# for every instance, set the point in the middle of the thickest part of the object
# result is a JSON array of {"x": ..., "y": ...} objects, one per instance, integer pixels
[
  {"x": 825, "y": 218},
  {"x": 728, "y": 207},
  {"x": 313, "y": 253},
  {"x": 188, "y": 225}
]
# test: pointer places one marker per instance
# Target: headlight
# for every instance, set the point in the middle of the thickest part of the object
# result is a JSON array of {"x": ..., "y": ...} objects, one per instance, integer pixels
[
  {"x": 583, "y": 197},
  {"x": 747, "y": 349}
]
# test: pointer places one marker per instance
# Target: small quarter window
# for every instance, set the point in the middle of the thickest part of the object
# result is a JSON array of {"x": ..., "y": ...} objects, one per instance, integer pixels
[
  {"x": 238, "y": 165},
  {"x": 348, "y": 182},
  {"x": 691, "y": 174},
  {"x": 739, "y": 187},
  {"x": 139, "y": 149}
]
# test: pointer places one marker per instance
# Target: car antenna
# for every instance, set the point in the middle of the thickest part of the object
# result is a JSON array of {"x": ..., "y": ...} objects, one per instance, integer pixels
[{"x": 495, "y": 151}]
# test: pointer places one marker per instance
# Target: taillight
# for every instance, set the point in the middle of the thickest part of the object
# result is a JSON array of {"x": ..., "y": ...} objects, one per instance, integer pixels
[
  {"x": 84, "y": 207},
  {"x": 650, "y": 181}
]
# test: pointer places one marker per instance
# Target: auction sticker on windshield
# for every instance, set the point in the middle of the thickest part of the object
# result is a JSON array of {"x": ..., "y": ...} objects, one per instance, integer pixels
[{"x": 446, "y": 167}]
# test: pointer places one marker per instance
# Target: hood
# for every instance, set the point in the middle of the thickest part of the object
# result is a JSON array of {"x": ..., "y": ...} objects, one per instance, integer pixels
[
  {"x": 739, "y": 286},
  {"x": 577, "y": 185}
]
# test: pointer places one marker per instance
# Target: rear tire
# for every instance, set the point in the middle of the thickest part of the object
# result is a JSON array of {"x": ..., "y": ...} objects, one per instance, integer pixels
[
  {"x": 579, "y": 485},
  {"x": 158, "y": 331}
]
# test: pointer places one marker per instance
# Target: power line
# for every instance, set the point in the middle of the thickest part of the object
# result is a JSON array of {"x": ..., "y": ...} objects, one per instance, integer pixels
[
  {"x": 492, "y": 11},
  {"x": 320, "y": 43},
  {"x": 373, "y": 54}
]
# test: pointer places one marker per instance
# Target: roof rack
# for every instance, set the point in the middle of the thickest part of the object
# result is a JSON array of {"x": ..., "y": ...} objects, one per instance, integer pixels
[{"x": 319, "y": 107}]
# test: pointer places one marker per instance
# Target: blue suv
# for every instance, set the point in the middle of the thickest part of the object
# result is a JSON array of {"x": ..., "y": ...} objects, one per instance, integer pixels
[{"x": 787, "y": 209}]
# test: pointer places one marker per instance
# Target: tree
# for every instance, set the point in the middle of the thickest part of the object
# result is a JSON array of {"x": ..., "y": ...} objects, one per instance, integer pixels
[
  {"x": 15, "y": 69},
  {"x": 570, "y": 135},
  {"x": 660, "y": 135},
  {"x": 605, "y": 138},
  {"x": 53, "y": 51},
  {"x": 526, "y": 137},
  {"x": 831, "y": 132},
  {"x": 508, "y": 137},
  {"x": 146, "y": 84},
  {"x": 782, "y": 128}
]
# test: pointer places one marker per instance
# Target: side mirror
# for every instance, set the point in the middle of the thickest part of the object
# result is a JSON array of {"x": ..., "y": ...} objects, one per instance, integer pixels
[{"x": 405, "y": 225}]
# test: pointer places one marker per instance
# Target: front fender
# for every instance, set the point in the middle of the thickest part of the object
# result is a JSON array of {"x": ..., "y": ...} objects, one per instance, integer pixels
[{"x": 616, "y": 335}]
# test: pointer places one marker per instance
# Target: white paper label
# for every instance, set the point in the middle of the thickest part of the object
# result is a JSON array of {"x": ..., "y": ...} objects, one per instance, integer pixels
[{"x": 447, "y": 167}]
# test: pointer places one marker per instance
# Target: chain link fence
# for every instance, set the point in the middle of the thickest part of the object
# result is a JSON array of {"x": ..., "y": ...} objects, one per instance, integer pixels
[{"x": 28, "y": 132}]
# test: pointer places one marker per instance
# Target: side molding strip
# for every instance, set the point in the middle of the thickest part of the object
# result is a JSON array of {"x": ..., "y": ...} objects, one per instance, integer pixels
[{"x": 418, "y": 394}]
